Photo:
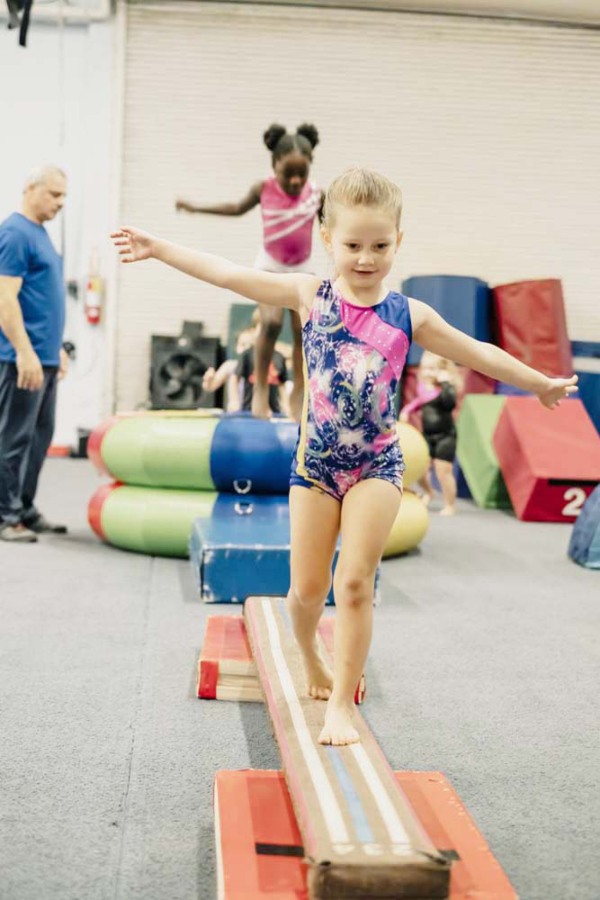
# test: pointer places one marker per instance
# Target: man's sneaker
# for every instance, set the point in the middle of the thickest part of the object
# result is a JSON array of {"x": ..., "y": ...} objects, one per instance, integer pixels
[
  {"x": 41, "y": 525},
  {"x": 17, "y": 534}
]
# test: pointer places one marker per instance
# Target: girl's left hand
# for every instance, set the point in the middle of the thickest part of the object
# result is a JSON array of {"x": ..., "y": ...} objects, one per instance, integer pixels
[{"x": 558, "y": 389}]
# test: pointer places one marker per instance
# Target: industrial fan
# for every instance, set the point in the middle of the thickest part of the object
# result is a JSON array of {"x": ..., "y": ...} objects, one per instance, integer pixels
[{"x": 177, "y": 368}]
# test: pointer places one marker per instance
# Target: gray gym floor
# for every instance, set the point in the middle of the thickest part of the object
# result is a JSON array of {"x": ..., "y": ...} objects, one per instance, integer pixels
[{"x": 485, "y": 665}]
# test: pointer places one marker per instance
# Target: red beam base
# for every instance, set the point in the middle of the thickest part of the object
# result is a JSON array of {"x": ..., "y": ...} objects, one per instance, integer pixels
[{"x": 259, "y": 846}]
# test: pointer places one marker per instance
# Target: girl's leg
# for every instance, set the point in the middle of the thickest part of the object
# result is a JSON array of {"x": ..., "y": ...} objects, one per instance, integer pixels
[
  {"x": 445, "y": 473},
  {"x": 314, "y": 525},
  {"x": 297, "y": 395},
  {"x": 368, "y": 513},
  {"x": 425, "y": 485},
  {"x": 271, "y": 319}
]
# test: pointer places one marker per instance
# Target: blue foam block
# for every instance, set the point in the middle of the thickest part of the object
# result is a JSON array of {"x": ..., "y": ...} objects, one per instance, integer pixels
[
  {"x": 462, "y": 301},
  {"x": 589, "y": 393},
  {"x": 249, "y": 455},
  {"x": 584, "y": 546},
  {"x": 243, "y": 549},
  {"x": 586, "y": 348}
]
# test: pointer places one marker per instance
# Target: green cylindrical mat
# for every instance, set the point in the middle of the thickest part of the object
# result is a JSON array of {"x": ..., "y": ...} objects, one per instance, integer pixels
[
  {"x": 161, "y": 451},
  {"x": 475, "y": 426},
  {"x": 153, "y": 520}
]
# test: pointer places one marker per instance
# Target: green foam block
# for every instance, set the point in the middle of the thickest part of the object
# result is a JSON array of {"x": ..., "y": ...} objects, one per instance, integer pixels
[{"x": 476, "y": 424}]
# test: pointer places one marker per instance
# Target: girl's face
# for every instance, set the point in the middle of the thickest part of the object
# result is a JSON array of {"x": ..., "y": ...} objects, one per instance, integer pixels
[
  {"x": 291, "y": 172},
  {"x": 363, "y": 242}
]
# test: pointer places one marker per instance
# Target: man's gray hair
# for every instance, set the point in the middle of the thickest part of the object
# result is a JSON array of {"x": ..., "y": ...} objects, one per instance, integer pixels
[{"x": 41, "y": 174}]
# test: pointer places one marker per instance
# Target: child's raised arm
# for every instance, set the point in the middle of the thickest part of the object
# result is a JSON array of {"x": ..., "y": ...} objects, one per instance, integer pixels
[
  {"x": 213, "y": 380},
  {"x": 247, "y": 203},
  {"x": 433, "y": 333},
  {"x": 294, "y": 291}
]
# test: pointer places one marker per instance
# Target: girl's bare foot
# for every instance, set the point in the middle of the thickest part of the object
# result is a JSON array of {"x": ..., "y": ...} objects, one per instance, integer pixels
[
  {"x": 447, "y": 511},
  {"x": 319, "y": 680},
  {"x": 338, "y": 729},
  {"x": 426, "y": 498},
  {"x": 260, "y": 401}
]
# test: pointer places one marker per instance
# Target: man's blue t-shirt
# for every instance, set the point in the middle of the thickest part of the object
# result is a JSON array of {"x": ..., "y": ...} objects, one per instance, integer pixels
[{"x": 27, "y": 252}]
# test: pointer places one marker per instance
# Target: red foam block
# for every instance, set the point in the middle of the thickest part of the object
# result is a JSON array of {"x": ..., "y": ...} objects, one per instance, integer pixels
[
  {"x": 259, "y": 846},
  {"x": 532, "y": 325},
  {"x": 226, "y": 652},
  {"x": 550, "y": 459}
]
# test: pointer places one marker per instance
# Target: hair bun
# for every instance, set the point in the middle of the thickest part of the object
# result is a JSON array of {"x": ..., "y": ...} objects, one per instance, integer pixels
[
  {"x": 273, "y": 135},
  {"x": 309, "y": 132}
]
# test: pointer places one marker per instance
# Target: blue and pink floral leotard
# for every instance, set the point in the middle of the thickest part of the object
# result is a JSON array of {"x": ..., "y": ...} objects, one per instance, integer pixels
[{"x": 353, "y": 359}]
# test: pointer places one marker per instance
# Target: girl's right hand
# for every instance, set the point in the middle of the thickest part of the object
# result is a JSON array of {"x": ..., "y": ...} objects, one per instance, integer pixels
[{"x": 134, "y": 245}]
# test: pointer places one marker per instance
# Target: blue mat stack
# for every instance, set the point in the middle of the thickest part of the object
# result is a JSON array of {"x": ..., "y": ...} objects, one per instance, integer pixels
[
  {"x": 586, "y": 362},
  {"x": 462, "y": 301},
  {"x": 242, "y": 548}
]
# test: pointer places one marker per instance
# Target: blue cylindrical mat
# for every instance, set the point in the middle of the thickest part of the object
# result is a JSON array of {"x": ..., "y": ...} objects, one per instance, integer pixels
[{"x": 252, "y": 455}]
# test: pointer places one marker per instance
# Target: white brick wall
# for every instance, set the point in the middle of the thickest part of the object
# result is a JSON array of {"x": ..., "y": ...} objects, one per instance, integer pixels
[{"x": 491, "y": 128}]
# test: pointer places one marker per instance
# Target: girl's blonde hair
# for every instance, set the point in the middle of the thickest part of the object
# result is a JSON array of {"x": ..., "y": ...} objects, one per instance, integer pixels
[
  {"x": 439, "y": 362},
  {"x": 362, "y": 187}
]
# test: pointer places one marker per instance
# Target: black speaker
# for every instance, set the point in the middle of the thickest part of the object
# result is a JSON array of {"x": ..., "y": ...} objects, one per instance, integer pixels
[{"x": 177, "y": 366}]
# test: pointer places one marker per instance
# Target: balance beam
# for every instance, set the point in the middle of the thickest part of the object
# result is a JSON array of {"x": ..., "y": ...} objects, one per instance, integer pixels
[{"x": 360, "y": 835}]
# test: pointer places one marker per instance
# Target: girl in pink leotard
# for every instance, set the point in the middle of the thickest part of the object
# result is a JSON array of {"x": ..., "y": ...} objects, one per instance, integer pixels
[{"x": 290, "y": 202}]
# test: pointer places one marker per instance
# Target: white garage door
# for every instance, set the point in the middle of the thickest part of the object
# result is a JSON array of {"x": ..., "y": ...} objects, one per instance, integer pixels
[{"x": 491, "y": 128}]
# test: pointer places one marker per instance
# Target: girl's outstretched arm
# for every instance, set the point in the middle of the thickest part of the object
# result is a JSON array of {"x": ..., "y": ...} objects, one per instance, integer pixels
[
  {"x": 247, "y": 203},
  {"x": 293, "y": 291},
  {"x": 433, "y": 333}
]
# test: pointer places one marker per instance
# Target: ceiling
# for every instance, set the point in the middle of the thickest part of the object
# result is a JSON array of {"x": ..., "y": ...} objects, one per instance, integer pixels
[{"x": 573, "y": 12}]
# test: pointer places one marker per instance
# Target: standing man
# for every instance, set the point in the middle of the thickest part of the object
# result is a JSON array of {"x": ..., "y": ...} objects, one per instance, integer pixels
[{"x": 32, "y": 318}]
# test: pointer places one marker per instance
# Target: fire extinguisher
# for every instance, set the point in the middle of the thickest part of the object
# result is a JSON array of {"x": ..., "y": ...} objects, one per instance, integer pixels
[{"x": 94, "y": 292}]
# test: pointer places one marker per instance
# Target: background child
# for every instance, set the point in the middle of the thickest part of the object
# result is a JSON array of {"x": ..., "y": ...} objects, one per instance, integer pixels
[
  {"x": 213, "y": 379},
  {"x": 238, "y": 375},
  {"x": 437, "y": 386},
  {"x": 277, "y": 377},
  {"x": 289, "y": 203},
  {"x": 347, "y": 473}
]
